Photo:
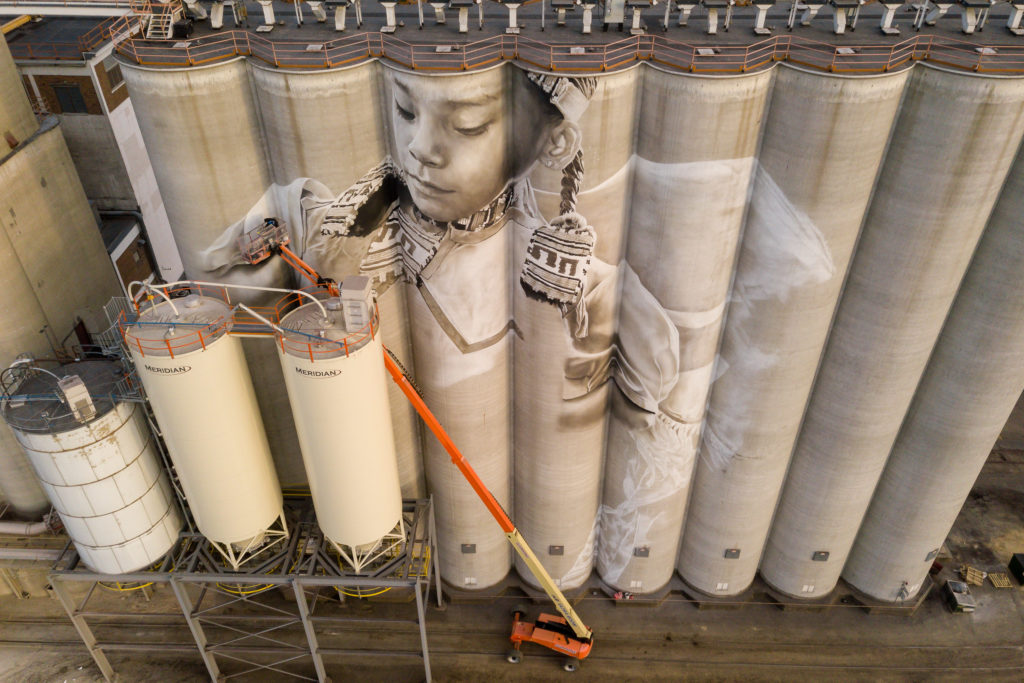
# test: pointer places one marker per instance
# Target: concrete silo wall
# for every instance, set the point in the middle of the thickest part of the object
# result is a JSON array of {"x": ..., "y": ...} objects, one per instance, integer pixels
[
  {"x": 821, "y": 133},
  {"x": 968, "y": 390},
  {"x": 330, "y": 126},
  {"x": 16, "y": 117},
  {"x": 202, "y": 130},
  {"x": 560, "y": 428},
  {"x": 688, "y": 197},
  {"x": 53, "y": 267},
  {"x": 916, "y": 244},
  {"x": 21, "y": 332},
  {"x": 562, "y": 315}
]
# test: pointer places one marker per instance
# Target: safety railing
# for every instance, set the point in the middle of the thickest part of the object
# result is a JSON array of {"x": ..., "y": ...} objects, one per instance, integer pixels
[
  {"x": 313, "y": 347},
  {"x": 247, "y": 321},
  {"x": 98, "y": 34},
  {"x": 575, "y": 58},
  {"x": 126, "y": 32},
  {"x": 29, "y": 4},
  {"x": 188, "y": 337},
  {"x": 39, "y": 106},
  {"x": 46, "y": 51}
]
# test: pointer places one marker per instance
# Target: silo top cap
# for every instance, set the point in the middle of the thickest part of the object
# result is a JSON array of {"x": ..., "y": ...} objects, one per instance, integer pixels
[
  {"x": 306, "y": 332},
  {"x": 161, "y": 331},
  {"x": 39, "y": 405}
]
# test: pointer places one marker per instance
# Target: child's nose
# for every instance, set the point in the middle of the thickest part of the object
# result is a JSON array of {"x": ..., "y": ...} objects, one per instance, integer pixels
[{"x": 425, "y": 148}]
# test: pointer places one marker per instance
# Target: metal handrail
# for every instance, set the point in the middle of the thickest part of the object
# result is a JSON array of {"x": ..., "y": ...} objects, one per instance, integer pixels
[
  {"x": 126, "y": 32},
  {"x": 314, "y": 347},
  {"x": 242, "y": 322},
  {"x": 205, "y": 332},
  {"x": 29, "y": 4},
  {"x": 568, "y": 57}
]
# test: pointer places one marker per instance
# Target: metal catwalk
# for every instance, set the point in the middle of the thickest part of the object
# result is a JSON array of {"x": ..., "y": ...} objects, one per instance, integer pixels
[{"x": 267, "y": 616}]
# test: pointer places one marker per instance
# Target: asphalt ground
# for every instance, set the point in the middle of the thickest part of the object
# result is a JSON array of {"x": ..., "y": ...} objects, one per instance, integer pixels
[{"x": 665, "y": 640}]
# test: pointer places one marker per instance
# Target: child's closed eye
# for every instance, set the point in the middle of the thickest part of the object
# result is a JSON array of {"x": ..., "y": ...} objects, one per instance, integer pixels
[
  {"x": 404, "y": 113},
  {"x": 473, "y": 130}
]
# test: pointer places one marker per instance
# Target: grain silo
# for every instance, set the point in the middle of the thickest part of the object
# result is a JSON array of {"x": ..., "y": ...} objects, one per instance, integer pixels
[
  {"x": 333, "y": 365},
  {"x": 796, "y": 249},
  {"x": 198, "y": 383},
  {"x": 689, "y": 193},
  {"x": 53, "y": 267},
  {"x": 971, "y": 384},
  {"x": 97, "y": 461},
  {"x": 913, "y": 252}
]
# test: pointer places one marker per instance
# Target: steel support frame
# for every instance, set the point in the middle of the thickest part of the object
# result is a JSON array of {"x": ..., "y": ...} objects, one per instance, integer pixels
[{"x": 191, "y": 571}]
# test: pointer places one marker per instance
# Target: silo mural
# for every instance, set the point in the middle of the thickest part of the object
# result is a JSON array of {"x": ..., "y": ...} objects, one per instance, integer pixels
[{"x": 554, "y": 259}]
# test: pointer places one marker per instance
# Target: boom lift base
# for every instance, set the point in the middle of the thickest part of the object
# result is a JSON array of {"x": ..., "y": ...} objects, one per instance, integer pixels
[{"x": 550, "y": 631}]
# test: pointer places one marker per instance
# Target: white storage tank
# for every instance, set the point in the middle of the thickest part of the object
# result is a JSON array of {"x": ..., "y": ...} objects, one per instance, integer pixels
[
  {"x": 199, "y": 386},
  {"x": 97, "y": 463},
  {"x": 337, "y": 386}
]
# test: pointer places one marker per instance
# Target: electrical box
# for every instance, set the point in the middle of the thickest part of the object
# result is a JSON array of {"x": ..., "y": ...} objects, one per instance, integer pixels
[
  {"x": 357, "y": 302},
  {"x": 76, "y": 395},
  {"x": 1016, "y": 567}
]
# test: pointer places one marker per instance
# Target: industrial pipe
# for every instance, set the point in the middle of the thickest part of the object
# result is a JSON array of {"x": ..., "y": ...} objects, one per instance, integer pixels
[
  {"x": 252, "y": 287},
  {"x": 23, "y": 528}
]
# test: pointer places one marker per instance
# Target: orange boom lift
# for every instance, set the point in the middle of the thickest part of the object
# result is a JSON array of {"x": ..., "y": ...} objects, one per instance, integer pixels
[{"x": 566, "y": 634}]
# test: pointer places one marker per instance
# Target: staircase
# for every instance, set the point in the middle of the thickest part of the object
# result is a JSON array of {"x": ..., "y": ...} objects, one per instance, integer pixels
[
  {"x": 160, "y": 26},
  {"x": 159, "y": 16}
]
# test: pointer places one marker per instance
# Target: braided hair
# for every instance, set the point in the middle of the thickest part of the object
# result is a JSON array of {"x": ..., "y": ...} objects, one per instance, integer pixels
[{"x": 558, "y": 256}]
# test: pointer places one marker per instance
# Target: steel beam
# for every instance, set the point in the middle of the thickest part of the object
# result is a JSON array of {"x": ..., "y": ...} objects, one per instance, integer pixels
[
  {"x": 84, "y": 632},
  {"x": 307, "y": 625},
  {"x": 422, "y": 618},
  {"x": 181, "y": 593}
]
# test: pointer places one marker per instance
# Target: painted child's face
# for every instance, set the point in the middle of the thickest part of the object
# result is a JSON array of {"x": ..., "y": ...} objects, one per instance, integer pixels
[{"x": 451, "y": 140}]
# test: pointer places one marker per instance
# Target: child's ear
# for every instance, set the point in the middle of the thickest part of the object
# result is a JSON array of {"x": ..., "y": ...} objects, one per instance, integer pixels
[{"x": 561, "y": 146}]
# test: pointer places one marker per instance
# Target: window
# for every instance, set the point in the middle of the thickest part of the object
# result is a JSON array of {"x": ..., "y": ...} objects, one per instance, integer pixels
[
  {"x": 69, "y": 99},
  {"x": 114, "y": 76}
]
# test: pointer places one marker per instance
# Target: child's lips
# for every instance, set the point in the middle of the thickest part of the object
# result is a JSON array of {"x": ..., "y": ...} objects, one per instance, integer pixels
[{"x": 426, "y": 187}]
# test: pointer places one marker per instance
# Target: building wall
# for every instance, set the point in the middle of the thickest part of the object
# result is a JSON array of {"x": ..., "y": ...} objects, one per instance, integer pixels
[
  {"x": 48, "y": 84},
  {"x": 107, "y": 147},
  {"x": 53, "y": 265},
  {"x": 16, "y": 119},
  {"x": 98, "y": 161}
]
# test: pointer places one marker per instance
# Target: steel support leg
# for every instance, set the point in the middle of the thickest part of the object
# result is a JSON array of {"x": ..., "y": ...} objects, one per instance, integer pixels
[
  {"x": 937, "y": 13},
  {"x": 635, "y": 28},
  {"x": 422, "y": 619},
  {"x": 268, "y": 12},
  {"x": 433, "y": 556},
  {"x": 391, "y": 22},
  {"x": 307, "y": 625},
  {"x": 889, "y": 10},
  {"x": 712, "y": 21},
  {"x": 185, "y": 603},
  {"x": 84, "y": 632},
  {"x": 810, "y": 12}
]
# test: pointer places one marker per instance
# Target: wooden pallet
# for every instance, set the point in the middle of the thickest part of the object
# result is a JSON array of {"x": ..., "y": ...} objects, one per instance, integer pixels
[
  {"x": 972, "y": 576},
  {"x": 1000, "y": 580}
]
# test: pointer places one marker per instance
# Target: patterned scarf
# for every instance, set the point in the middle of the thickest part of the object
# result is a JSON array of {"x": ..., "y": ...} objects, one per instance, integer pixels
[{"x": 409, "y": 239}]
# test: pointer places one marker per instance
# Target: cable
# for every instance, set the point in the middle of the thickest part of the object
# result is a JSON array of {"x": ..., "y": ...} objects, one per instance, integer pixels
[{"x": 405, "y": 372}]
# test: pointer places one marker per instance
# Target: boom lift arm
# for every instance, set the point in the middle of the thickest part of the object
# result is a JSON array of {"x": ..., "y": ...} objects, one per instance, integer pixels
[
  {"x": 566, "y": 634},
  {"x": 578, "y": 646}
]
